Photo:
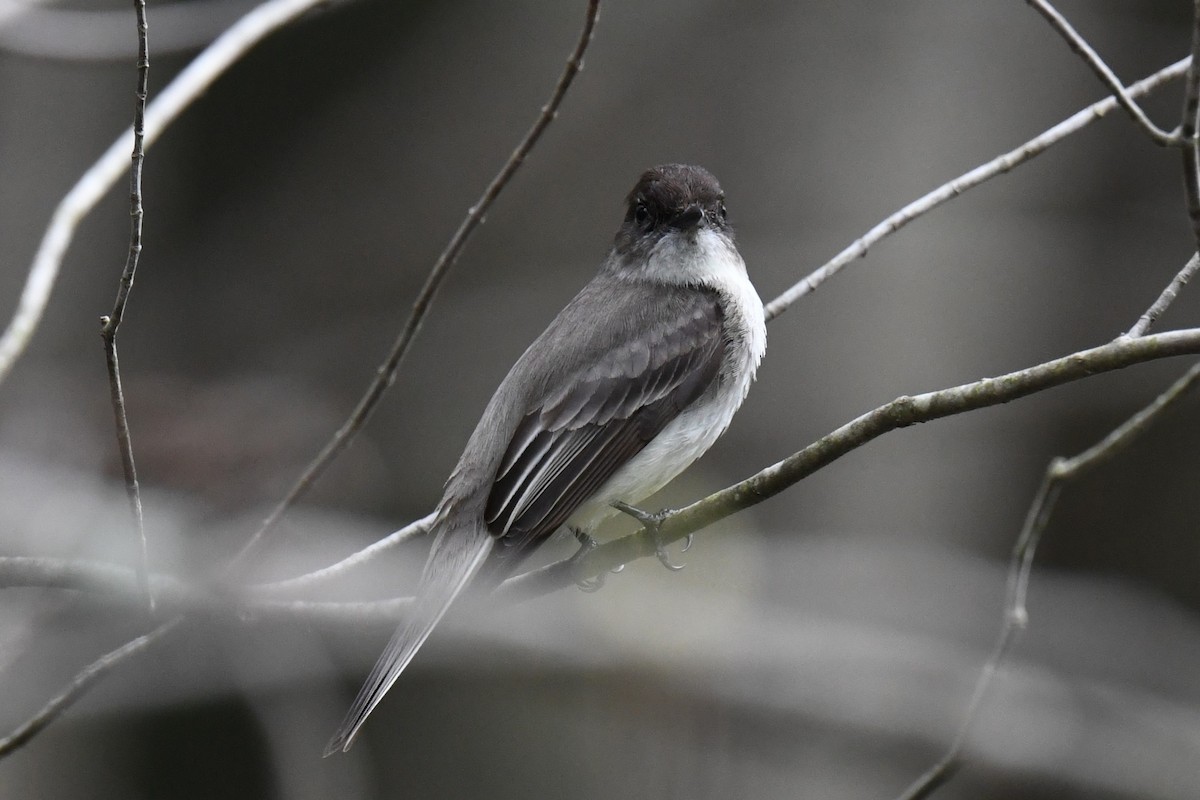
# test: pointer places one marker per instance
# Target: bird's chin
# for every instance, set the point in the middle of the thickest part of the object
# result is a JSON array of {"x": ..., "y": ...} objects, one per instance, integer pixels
[{"x": 692, "y": 256}]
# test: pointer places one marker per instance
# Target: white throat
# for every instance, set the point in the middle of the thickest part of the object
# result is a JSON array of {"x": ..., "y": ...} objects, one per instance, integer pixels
[{"x": 703, "y": 258}]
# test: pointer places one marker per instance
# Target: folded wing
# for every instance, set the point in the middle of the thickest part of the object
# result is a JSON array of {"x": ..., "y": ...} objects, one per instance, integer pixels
[{"x": 573, "y": 440}]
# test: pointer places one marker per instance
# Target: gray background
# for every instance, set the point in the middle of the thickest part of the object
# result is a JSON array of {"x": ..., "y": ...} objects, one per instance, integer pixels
[{"x": 822, "y": 644}]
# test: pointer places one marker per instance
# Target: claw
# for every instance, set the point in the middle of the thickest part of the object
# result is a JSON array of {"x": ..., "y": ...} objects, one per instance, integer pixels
[
  {"x": 687, "y": 543},
  {"x": 653, "y": 524},
  {"x": 591, "y": 585},
  {"x": 586, "y": 545},
  {"x": 664, "y": 558},
  {"x": 584, "y": 538}
]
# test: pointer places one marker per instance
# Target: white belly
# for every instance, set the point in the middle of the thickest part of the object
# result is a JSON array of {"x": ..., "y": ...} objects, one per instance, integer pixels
[
  {"x": 685, "y": 439},
  {"x": 689, "y": 435}
]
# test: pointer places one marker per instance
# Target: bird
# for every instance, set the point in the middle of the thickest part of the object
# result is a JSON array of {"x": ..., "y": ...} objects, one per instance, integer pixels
[{"x": 634, "y": 380}]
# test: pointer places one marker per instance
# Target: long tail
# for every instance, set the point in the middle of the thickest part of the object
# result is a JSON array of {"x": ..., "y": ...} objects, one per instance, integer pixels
[{"x": 456, "y": 556}]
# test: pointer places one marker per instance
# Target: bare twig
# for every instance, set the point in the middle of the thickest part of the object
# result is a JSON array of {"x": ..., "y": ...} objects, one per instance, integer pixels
[
  {"x": 411, "y": 531},
  {"x": 900, "y": 413},
  {"x": 969, "y": 180},
  {"x": 176, "y": 598},
  {"x": 96, "y": 181},
  {"x": 82, "y": 576},
  {"x": 1058, "y": 472},
  {"x": 386, "y": 373},
  {"x": 110, "y": 323},
  {"x": 927, "y": 203},
  {"x": 1016, "y": 615},
  {"x": 1167, "y": 297},
  {"x": 89, "y": 33},
  {"x": 1102, "y": 70},
  {"x": 101, "y": 176},
  {"x": 117, "y": 581},
  {"x": 78, "y": 202},
  {"x": 1188, "y": 126},
  {"x": 79, "y": 686}
]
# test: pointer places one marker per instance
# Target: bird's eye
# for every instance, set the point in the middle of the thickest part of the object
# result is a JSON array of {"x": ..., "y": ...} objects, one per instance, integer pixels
[
  {"x": 641, "y": 214},
  {"x": 721, "y": 211}
]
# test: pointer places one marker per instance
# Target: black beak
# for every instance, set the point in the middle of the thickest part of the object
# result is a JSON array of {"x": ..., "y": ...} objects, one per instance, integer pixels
[{"x": 691, "y": 217}]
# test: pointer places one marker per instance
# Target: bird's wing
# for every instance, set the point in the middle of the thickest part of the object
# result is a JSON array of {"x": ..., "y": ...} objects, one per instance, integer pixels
[{"x": 594, "y": 420}]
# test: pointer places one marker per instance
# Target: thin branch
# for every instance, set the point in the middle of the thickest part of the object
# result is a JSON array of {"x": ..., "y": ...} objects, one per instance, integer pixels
[
  {"x": 411, "y": 531},
  {"x": 1059, "y": 471},
  {"x": 101, "y": 176},
  {"x": 1167, "y": 297},
  {"x": 79, "y": 685},
  {"x": 1016, "y": 615},
  {"x": 78, "y": 202},
  {"x": 969, "y": 180},
  {"x": 917, "y": 208},
  {"x": 900, "y": 413},
  {"x": 1102, "y": 70},
  {"x": 118, "y": 581},
  {"x": 89, "y": 34},
  {"x": 1188, "y": 126},
  {"x": 192, "y": 81},
  {"x": 110, "y": 323},
  {"x": 177, "y": 598},
  {"x": 386, "y": 373}
]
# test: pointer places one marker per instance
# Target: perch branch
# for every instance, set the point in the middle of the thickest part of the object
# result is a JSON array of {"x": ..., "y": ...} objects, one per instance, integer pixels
[
  {"x": 902, "y": 412},
  {"x": 1016, "y": 616}
]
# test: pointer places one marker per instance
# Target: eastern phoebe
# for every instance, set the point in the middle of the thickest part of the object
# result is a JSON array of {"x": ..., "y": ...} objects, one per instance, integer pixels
[{"x": 630, "y": 384}]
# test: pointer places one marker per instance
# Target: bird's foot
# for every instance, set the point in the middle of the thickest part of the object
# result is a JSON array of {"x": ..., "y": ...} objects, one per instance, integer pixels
[
  {"x": 653, "y": 524},
  {"x": 586, "y": 545}
]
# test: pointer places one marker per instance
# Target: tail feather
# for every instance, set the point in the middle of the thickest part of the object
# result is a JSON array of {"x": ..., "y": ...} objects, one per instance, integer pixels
[{"x": 452, "y": 564}]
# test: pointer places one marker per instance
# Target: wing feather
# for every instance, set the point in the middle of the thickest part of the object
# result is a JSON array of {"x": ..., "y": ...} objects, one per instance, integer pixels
[{"x": 573, "y": 440}]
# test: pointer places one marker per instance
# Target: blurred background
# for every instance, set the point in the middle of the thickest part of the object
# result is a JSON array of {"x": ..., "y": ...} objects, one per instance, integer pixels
[{"x": 822, "y": 644}]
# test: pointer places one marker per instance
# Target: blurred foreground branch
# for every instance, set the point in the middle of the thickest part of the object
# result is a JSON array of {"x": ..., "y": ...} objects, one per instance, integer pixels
[
  {"x": 902, "y": 412},
  {"x": 188, "y": 85},
  {"x": 79, "y": 686},
  {"x": 385, "y": 375}
]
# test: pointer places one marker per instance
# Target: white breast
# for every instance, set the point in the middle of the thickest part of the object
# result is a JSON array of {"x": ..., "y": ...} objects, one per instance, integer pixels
[{"x": 708, "y": 260}]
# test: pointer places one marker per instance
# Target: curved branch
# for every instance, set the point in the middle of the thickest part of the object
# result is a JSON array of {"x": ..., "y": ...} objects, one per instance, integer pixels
[
  {"x": 79, "y": 685},
  {"x": 1104, "y": 73},
  {"x": 175, "y": 597},
  {"x": 385, "y": 375},
  {"x": 900, "y": 413},
  {"x": 189, "y": 84},
  {"x": 969, "y": 180},
  {"x": 1016, "y": 616},
  {"x": 412, "y": 530},
  {"x": 1166, "y": 298}
]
